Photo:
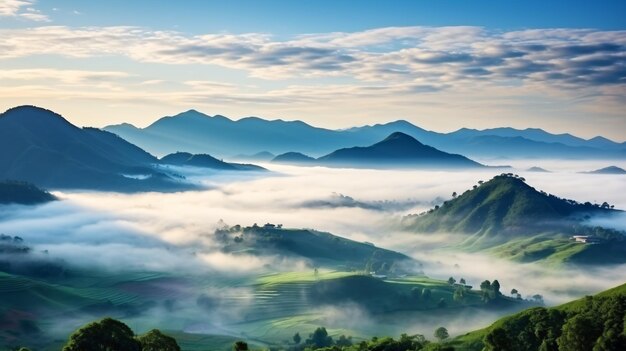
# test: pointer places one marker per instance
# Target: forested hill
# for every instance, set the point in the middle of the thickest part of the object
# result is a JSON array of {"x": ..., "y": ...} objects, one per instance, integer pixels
[
  {"x": 504, "y": 206},
  {"x": 591, "y": 323}
]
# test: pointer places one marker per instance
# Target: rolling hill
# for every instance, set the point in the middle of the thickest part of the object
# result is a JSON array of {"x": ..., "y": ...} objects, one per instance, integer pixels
[
  {"x": 511, "y": 219},
  {"x": 218, "y": 135},
  {"x": 320, "y": 249},
  {"x": 397, "y": 150}
]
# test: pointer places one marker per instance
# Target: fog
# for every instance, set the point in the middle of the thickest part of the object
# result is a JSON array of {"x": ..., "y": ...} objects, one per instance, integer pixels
[{"x": 173, "y": 232}]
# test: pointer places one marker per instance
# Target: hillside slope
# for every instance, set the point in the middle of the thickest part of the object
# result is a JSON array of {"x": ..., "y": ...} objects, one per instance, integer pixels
[
  {"x": 510, "y": 219},
  {"x": 41, "y": 147},
  {"x": 504, "y": 206},
  {"x": 589, "y": 323}
]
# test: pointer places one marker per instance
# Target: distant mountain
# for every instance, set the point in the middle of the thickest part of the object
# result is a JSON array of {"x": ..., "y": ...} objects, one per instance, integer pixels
[
  {"x": 609, "y": 170},
  {"x": 537, "y": 169},
  {"x": 398, "y": 149},
  {"x": 217, "y": 135},
  {"x": 204, "y": 161},
  {"x": 41, "y": 147},
  {"x": 540, "y": 135},
  {"x": 263, "y": 156},
  {"x": 13, "y": 192},
  {"x": 294, "y": 158}
]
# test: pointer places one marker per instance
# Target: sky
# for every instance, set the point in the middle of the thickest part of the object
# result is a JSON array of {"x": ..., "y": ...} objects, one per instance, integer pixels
[{"x": 442, "y": 65}]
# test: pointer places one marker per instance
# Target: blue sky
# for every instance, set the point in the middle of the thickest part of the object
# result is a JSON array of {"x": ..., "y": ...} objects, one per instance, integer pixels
[
  {"x": 295, "y": 17},
  {"x": 557, "y": 65}
]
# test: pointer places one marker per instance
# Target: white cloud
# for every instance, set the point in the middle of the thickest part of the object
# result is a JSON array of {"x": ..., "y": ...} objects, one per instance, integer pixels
[{"x": 22, "y": 9}]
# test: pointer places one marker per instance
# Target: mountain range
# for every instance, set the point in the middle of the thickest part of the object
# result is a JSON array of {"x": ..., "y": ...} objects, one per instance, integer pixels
[
  {"x": 398, "y": 150},
  {"x": 196, "y": 132}
]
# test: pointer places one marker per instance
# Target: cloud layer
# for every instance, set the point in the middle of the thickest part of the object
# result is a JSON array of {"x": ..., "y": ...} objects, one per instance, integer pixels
[{"x": 437, "y": 56}]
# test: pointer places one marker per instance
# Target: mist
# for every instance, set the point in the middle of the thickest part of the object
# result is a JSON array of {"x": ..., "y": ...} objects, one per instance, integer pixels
[{"x": 174, "y": 233}]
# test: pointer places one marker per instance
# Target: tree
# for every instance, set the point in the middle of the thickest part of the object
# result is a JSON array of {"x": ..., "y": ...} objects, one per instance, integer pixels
[
  {"x": 514, "y": 292},
  {"x": 154, "y": 340},
  {"x": 240, "y": 346},
  {"x": 578, "y": 334},
  {"x": 459, "y": 294},
  {"x": 441, "y": 303},
  {"x": 462, "y": 281},
  {"x": 426, "y": 294},
  {"x": 416, "y": 293},
  {"x": 107, "y": 334},
  {"x": 451, "y": 281},
  {"x": 297, "y": 338},
  {"x": 344, "y": 341},
  {"x": 454, "y": 194},
  {"x": 495, "y": 286},
  {"x": 486, "y": 290},
  {"x": 498, "y": 340},
  {"x": 320, "y": 338},
  {"x": 441, "y": 333}
]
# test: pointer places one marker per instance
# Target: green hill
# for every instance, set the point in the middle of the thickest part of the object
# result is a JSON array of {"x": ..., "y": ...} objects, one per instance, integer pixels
[
  {"x": 514, "y": 220},
  {"x": 589, "y": 323},
  {"x": 320, "y": 249},
  {"x": 504, "y": 206},
  {"x": 23, "y": 193}
]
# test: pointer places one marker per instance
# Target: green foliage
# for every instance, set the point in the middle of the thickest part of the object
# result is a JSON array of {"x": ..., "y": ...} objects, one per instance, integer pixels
[
  {"x": 105, "y": 335},
  {"x": 593, "y": 323},
  {"x": 319, "y": 338},
  {"x": 498, "y": 340},
  {"x": 441, "y": 333},
  {"x": 442, "y": 303},
  {"x": 240, "y": 346},
  {"x": 297, "y": 338},
  {"x": 154, "y": 340},
  {"x": 426, "y": 294}
]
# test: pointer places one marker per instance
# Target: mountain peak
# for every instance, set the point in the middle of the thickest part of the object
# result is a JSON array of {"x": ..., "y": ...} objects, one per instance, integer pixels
[
  {"x": 29, "y": 116},
  {"x": 399, "y": 136}
]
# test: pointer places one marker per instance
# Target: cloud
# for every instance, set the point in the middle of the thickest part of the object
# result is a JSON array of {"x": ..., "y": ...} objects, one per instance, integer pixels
[
  {"x": 429, "y": 54},
  {"x": 61, "y": 75},
  {"x": 22, "y": 9}
]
